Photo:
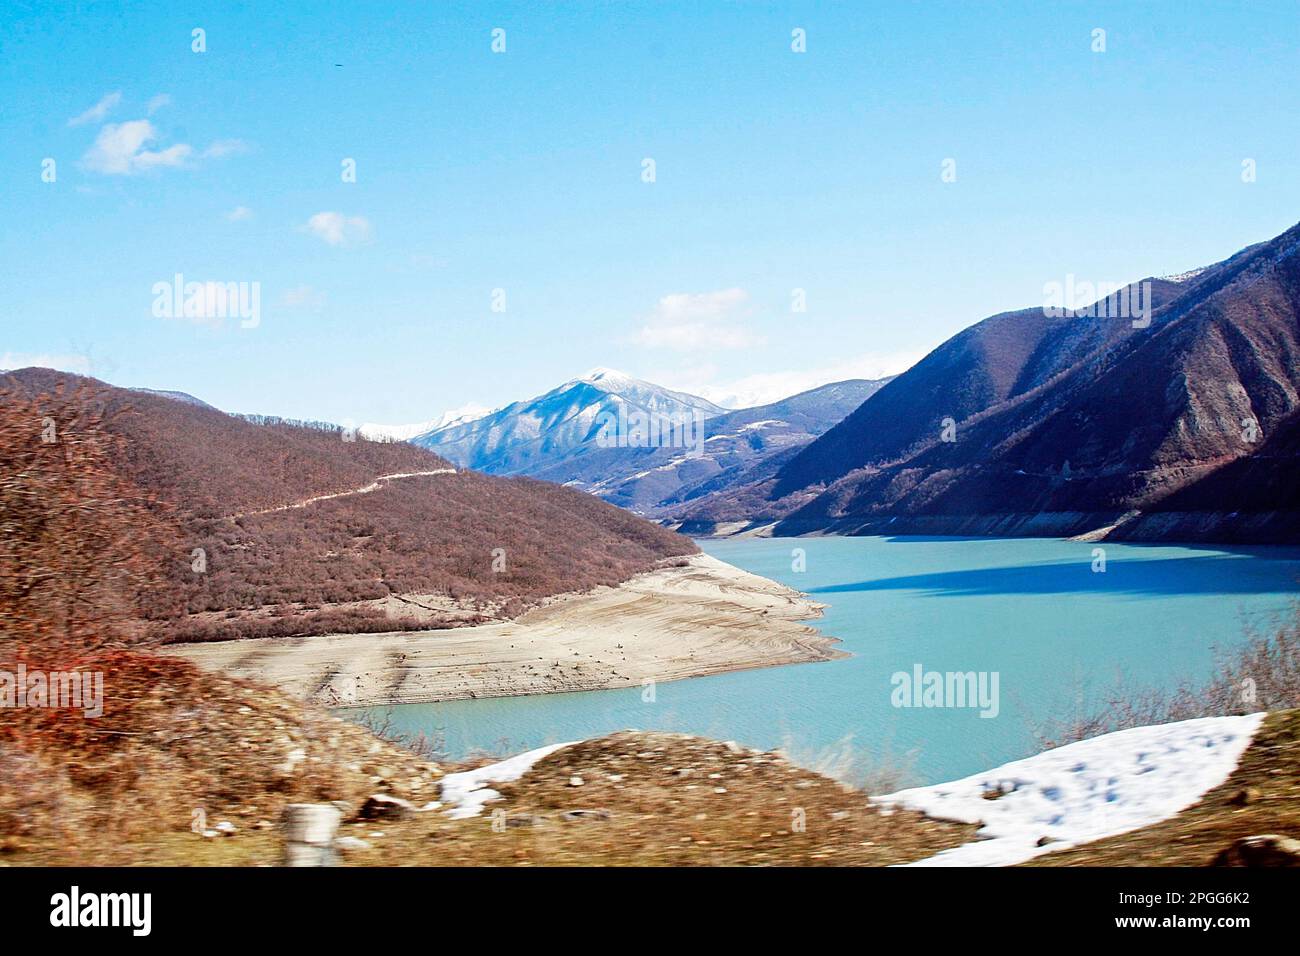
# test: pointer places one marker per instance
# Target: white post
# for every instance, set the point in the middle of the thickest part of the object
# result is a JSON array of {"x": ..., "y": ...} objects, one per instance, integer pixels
[{"x": 309, "y": 834}]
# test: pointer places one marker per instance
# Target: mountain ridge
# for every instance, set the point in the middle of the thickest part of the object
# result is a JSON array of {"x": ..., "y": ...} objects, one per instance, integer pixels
[
  {"x": 737, "y": 446},
  {"x": 294, "y": 529},
  {"x": 516, "y": 437},
  {"x": 1064, "y": 425},
  {"x": 563, "y": 436}
]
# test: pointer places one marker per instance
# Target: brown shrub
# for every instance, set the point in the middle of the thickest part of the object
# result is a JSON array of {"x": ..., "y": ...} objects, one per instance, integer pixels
[
  {"x": 217, "y": 474},
  {"x": 173, "y": 740},
  {"x": 80, "y": 546},
  {"x": 1261, "y": 675}
]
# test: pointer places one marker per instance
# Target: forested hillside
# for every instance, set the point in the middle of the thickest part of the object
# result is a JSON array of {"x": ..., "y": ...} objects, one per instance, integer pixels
[{"x": 246, "y": 551}]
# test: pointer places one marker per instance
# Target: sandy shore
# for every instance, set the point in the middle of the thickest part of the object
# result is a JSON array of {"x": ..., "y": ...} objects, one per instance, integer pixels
[{"x": 704, "y": 618}]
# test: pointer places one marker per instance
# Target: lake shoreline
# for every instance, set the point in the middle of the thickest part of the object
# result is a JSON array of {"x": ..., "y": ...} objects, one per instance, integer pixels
[
  {"x": 1199, "y": 529},
  {"x": 705, "y": 617}
]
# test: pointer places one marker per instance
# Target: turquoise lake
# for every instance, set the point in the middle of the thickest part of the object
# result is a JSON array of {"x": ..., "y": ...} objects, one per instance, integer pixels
[{"x": 1057, "y": 633}]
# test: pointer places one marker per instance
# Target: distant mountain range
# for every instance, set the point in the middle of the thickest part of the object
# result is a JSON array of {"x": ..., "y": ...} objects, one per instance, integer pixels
[
  {"x": 558, "y": 437},
  {"x": 527, "y": 435},
  {"x": 738, "y": 447},
  {"x": 456, "y": 416},
  {"x": 1181, "y": 422},
  {"x": 1186, "y": 429}
]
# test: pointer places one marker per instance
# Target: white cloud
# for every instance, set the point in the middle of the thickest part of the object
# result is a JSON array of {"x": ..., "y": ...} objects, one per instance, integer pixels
[
  {"x": 123, "y": 149},
  {"x": 338, "y": 229},
  {"x": 119, "y": 150},
  {"x": 688, "y": 306},
  {"x": 78, "y": 364},
  {"x": 98, "y": 111},
  {"x": 695, "y": 321},
  {"x": 765, "y": 387},
  {"x": 239, "y": 214},
  {"x": 303, "y": 296},
  {"x": 158, "y": 102}
]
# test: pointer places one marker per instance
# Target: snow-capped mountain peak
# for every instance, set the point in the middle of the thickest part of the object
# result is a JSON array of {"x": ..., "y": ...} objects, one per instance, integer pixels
[
  {"x": 610, "y": 379},
  {"x": 540, "y": 431}
]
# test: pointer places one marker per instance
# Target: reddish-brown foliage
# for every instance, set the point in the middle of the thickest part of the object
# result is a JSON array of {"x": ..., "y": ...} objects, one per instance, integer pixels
[
  {"x": 477, "y": 539},
  {"x": 80, "y": 545},
  {"x": 173, "y": 740}
]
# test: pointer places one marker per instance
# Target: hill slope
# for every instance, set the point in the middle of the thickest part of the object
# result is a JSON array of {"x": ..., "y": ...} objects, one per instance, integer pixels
[
  {"x": 253, "y": 559},
  {"x": 1072, "y": 424}
]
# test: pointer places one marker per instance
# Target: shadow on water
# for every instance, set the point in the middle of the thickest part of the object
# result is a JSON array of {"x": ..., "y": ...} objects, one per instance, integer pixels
[
  {"x": 1284, "y": 551},
  {"x": 1199, "y": 574}
]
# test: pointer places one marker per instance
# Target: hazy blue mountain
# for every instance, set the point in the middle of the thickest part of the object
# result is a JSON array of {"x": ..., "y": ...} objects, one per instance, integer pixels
[
  {"x": 738, "y": 446},
  {"x": 557, "y": 437}
]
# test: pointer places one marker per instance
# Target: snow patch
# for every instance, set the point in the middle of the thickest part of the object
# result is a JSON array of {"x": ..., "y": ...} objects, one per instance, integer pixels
[
  {"x": 609, "y": 378},
  {"x": 468, "y": 791},
  {"x": 374, "y": 431},
  {"x": 1184, "y": 276},
  {"x": 456, "y": 416},
  {"x": 1083, "y": 791}
]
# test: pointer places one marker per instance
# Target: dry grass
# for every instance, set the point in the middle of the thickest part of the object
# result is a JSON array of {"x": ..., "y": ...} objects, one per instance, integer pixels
[
  {"x": 122, "y": 790},
  {"x": 652, "y": 799},
  {"x": 846, "y": 763},
  {"x": 1261, "y": 675},
  {"x": 649, "y": 799},
  {"x": 172, "y": 740}
]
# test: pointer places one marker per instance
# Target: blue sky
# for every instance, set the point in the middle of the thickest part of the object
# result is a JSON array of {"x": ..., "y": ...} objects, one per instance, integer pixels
[{"x": 523, "y": 171}]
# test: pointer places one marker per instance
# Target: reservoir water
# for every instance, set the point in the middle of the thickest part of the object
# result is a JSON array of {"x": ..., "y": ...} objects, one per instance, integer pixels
[{"x": 1057, "y": 632}]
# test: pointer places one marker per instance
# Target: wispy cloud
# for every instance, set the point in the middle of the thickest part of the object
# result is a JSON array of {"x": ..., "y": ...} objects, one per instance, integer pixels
[
  {"x": 158, "y": 102},
  {"x": 120, "y": 149},
  {"x": 239, "y": 214},
  {"x": 695, "y": 321},
  {"x": 338, "y": 229},
  {"x": 225, "y": 147},
  {"x": 98, "y": 111}
]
